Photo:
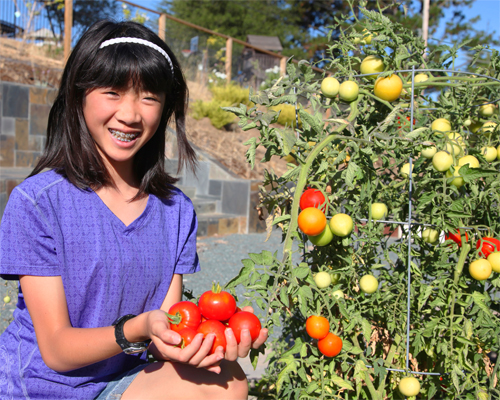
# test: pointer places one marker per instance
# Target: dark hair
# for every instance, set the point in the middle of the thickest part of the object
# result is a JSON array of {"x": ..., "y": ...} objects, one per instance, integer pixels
[{"x": 70, "y": 148}]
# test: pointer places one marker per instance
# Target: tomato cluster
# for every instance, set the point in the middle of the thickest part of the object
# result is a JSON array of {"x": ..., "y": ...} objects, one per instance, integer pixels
[
  {"x": 312, "y": 220},
  {"x": 216, "y": 311},
  {"x": 318, "y": 328}
]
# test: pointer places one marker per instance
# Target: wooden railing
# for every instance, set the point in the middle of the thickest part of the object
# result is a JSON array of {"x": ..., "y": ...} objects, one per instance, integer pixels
[{"x": 68, "y": 23}]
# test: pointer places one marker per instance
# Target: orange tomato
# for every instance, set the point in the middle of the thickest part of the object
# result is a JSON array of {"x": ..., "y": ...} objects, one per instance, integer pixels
[
  {"x": 312, "y": 221},
  {"x": 317, "y": 326},
  {"x": 331, "y": 345},
  {"x": 388, "y": 88}
]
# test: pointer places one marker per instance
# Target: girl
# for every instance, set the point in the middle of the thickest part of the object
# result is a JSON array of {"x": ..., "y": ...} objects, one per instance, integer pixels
[{"x": 99, "y": 239}]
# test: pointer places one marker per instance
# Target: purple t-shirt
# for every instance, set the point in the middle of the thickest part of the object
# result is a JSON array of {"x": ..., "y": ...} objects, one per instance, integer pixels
[{"x": 52, "y": 228}]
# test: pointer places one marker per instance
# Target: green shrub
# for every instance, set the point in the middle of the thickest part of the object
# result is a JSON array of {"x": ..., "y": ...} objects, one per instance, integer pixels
[{"x": 223, "y": 96}]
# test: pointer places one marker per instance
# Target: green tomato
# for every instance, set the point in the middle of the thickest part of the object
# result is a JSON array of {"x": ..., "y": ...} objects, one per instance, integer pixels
[
  {"x": 490, "y": 153},
  {"x": 323, "y": 239},
  {"x": 338, "y": 294},
  {"x": 322, "y": 279},
  {"x": 348, "y": 91},
  {"x": 330, "y": 87},
  {"x": 430, "y": 235},
  {"x": 335, "y": 278},
  {"x": 6, "y": 299},
  {"x": 405, "y": 170},
  {"x": 428, "y": 150},
  {"x": 441, "y": 125}
]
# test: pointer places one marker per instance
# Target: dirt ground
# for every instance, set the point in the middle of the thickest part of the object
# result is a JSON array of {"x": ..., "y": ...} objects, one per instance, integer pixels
[{"x": 28, "y": 64}]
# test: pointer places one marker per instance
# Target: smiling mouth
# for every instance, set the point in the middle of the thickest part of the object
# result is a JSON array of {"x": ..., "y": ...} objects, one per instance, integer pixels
[{"x": 122, "y": 136}]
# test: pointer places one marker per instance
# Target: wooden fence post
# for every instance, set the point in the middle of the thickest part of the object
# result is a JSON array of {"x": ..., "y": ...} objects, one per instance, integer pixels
[
  {"x": 68, "y": 24},
  {"x": 162, "y": 25},
  {"x": 229, "y": 56},
  {"x": 283, "y": 66}
]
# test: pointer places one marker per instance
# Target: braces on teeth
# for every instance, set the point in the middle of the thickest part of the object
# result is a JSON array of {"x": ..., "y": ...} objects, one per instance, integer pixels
[{"x": 125, "y": 137}]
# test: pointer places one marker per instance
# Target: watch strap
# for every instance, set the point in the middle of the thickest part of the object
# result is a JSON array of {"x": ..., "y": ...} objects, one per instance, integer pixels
[{"x": 125, "y": 345}]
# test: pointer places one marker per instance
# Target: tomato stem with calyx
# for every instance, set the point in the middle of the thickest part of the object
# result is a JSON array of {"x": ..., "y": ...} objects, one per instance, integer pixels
[
  {"x": 216, "y": 287},
  {"x": 174, "y": 319}
]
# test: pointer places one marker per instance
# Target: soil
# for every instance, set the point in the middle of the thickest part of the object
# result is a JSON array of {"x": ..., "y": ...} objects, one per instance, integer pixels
[{"x": 32, "y": 65}]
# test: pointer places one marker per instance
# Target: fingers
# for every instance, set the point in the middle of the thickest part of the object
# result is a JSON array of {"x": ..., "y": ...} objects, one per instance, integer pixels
[
  {"x": 248, "y": 309},
  {"x": 232, "y": 348},
  {"x": 263, "y": 335}
]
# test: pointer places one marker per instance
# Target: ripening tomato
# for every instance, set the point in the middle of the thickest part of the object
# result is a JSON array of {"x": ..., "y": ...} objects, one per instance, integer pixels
[
  {"x": 190, "y": 315},
  {"x": 187, "y": 336},
  {"x": 311, "y": 221},
  {"x": 487, "y": 246},
  {"x": 245, "y": 320},
  {"x": 312, "y": 198},
  {"x": 456, "y": 237},
  {"x": 317, "y": 326},
  {"x": 331, "y": 345},
  {"x": 388, "y": 88},
  {"x": 217, "y": 304},
  {"x": 217, "y": 328}
]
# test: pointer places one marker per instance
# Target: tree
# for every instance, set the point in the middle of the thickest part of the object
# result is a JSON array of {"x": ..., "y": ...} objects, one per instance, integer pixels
[{"x": 85, "y": 13}]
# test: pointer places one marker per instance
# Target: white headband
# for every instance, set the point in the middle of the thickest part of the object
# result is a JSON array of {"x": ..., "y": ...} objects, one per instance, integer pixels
[{"x": 139, "y": 41}]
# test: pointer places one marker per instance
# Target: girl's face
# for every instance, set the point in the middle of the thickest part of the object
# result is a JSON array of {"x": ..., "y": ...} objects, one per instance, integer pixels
[{"x": 121, "y": 121}]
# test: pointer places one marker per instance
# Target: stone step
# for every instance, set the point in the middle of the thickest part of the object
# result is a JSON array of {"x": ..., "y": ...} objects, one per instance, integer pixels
[{"x": 205, "y": 206}]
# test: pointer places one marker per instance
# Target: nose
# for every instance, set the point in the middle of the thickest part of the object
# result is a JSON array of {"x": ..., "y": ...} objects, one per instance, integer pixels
[{"x": 128, "y": 112}]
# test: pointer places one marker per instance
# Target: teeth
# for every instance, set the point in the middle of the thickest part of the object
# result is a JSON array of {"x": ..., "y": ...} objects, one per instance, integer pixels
[{"x": 124, "y": 137}]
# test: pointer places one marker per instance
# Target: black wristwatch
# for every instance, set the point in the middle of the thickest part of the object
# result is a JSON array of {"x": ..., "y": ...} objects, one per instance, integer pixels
[{"x": 126, "y": 346}]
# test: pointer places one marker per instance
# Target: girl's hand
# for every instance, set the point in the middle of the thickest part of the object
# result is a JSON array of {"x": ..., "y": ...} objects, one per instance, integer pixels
[
  {"x": 235, "y": 350},
  {"x": 196, "y": 353}
]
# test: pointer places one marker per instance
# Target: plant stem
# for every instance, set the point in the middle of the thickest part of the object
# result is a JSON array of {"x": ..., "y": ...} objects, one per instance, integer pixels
[{"x": 458, "y": 272}]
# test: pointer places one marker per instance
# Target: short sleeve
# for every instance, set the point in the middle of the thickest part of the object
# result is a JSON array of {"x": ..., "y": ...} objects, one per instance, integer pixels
[
  {"x": 187, "y": 260},
  {"x": 27, "y": 246}
]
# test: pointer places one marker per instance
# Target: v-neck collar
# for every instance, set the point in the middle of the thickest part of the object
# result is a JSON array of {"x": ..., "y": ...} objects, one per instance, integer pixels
[{"x": 134, "y": 225}]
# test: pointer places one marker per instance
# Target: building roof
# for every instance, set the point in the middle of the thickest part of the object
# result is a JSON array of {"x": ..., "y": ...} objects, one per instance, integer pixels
[{"x": 271, "y": 43}]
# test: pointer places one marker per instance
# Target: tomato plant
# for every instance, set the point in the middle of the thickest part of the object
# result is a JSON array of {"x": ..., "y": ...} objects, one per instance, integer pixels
[
  {"x": 218, "y": 329},
  {"x": 417, "y": 281},
  {"x": 217, "y": 304},
  {"x": 189, "y": 313},
  {"x": 245, "y": 320}
]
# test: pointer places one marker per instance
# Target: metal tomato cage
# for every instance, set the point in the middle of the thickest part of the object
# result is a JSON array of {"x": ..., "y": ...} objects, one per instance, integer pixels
[{"x": 409, "y": 223}]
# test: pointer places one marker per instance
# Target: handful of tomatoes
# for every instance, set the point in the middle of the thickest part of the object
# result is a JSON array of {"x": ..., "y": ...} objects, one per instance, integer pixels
[{"x": 216, "y": 311}]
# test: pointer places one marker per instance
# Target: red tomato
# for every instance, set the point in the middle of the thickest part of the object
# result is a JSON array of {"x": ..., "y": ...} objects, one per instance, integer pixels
[
  {"x": 190, "y": 315},
  {"x": 312, "y": 198},
  {"x": 245, "y": 320},
  {"x": 216, "y": 327},
  {"x": 488, "y": 246},
  {"x": 330, "y": 345},
  {"x": 405, "y": 123},
  {"x": 187, "y": 335},
  {"x": 456, "y": 237},
  {"x": 217, "y": 304}
]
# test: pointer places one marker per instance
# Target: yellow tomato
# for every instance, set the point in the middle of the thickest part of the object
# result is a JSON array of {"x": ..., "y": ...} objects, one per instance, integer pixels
[
  {"x": 428, "y": 150},
  {"x": 488, "y": 127},
  {"x": 330, "y": 87},
  {"x": 379, "y": 211},
  {"x": 441, "y": 125},
  {"x": 405, "y": 170},
  {"x": 409, "y": 386},
  {"x": 471, "y": 160},
  {"x": 480, "y": 269},
  {"x": 458, "y": 181},
  {"x": 348, "y": 91},
  {"x": 367, "y": 36},
  {"x": 498, "y": 152},
  {"x": 494, "y": 260},
  {"x": 341, "y": 225},
  {"x": 389, "y": 88},
  {"x": 442, "y": 161},
  {"x": 368, "y": 284},
  {"x": 430, "y": 235},
  {"x": 489, "y": 153},
  {"x": 487, "y": 110},
  {"x": 322, "y": 279},
  {"x": 371, "y": 65},
  {"x": 456, "y": 143}
]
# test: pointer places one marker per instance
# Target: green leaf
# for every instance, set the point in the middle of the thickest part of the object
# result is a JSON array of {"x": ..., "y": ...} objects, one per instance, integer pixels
[
  {"x": 300, "y": 272},
  {"x": 286, "y": 139},
  {"x": 290, "y": 367},
  {"x": 367, "y": 329},
  {"x": 250, "y": 154},
  {"x": 341, "y": 382},
  {"x": 243, "y": 275},
  {"x": 281, "y": 218}
]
